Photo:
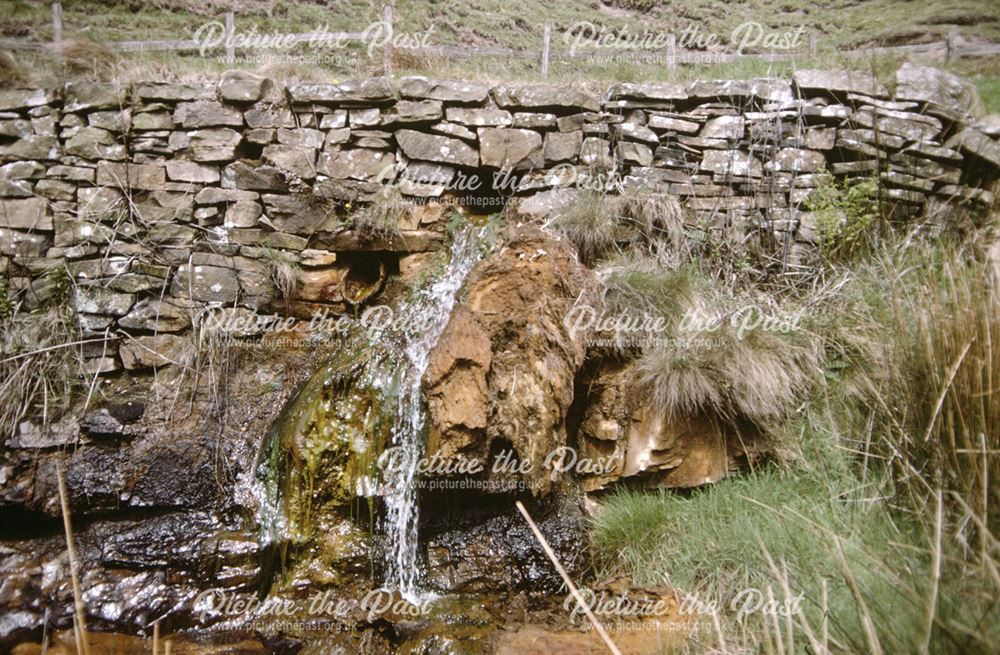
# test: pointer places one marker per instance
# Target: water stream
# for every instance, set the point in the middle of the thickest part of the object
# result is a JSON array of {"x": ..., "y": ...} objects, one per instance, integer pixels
[
  {"x": 387, "y": 361},
  {"x": 422, "y": 320}
]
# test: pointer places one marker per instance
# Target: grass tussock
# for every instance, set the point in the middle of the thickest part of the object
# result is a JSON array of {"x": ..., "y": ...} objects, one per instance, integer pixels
[
  {"x": 381, "y": 218},
  {"x": 817, "y": 537},
  {"x": 41, "y": 360},
  {"x": 283, "y": 270},
  {"x": 11, "y": 72},
  {"x": 590, "y": 223},
  {"x": 946, "y": 351},
  {"x": 756, "y": 375},
  {"x": 656, "y": 218},
  {"x": 85, "y": 57},
  {"x": 881, "y": 519},
  {"x": 602, "y": 225}
]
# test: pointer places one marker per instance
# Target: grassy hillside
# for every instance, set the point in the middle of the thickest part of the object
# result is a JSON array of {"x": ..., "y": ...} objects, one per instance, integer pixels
[
  {"x": 518, "y": 23},
  {"x": 838, "y": 25}
]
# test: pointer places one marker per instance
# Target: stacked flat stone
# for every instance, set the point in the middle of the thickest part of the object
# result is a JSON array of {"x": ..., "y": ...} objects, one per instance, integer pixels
[{"x": 163, "y": 199}]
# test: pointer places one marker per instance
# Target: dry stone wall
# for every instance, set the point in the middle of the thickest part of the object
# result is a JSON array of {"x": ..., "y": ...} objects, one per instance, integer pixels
[{"x": 163, "y": 199}]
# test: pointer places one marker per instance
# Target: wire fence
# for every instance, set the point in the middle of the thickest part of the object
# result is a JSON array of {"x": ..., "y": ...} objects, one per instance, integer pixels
[{"x": 948, "y": 49}]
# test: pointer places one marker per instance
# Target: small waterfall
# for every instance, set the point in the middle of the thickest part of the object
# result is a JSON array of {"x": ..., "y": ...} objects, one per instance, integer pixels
[
  {"x": 422, "y": 319},
  {"x": 386, "y": 361}
]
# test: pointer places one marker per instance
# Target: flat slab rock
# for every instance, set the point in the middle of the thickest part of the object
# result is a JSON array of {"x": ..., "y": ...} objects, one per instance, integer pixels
[{"x": 842, "y": 81}]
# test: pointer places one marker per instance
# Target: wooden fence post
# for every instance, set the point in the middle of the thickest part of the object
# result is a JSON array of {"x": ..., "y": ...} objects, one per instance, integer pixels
[
  {"x": 671, "y": 51},
  {"x": 813, "y": 44},
  {"x": 952, "y": 53},
  {"x": 546, "y": 40},
  {"x": 387, "y": 48},
  {"x": 230, "y": 30},
  {"x": 57, "y": 25}
]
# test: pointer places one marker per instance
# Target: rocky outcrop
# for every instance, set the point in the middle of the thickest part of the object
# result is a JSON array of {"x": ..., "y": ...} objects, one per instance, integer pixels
[
  {"x": 621, "y": 427},
  {"x": 162, "y": 492},
  {"x": 502, "y": 375}
]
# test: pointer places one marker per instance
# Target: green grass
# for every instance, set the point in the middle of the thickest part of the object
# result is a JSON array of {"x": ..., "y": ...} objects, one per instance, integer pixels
[
  {"x": 816, "y": 530},
  {"x": 880, "y": 513}
]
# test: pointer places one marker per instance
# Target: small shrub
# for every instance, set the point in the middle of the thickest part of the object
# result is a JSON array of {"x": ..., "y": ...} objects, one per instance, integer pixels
[{"x": 845, "y": 214}]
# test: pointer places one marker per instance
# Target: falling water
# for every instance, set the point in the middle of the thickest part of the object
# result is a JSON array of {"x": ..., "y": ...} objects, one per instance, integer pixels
[
  {"x": 423, "y": 319},
  {"x": 396, "y": 358}
]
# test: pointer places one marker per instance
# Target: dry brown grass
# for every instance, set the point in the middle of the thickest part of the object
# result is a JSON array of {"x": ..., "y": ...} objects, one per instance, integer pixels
[
  {"x": 85, "y": 57},
  {"x": 757, "y": 376},
  {"x": 380, "y": 219},
  {"x": 11, "y": 72}
]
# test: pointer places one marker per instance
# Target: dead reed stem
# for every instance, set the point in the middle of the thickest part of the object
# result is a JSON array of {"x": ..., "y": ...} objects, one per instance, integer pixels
[
  {"x": 565, "y": 576},
  {"x": 74, "y": 566}
]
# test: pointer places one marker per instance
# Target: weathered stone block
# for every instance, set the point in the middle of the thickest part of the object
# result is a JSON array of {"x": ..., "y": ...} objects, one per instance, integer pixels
[
  {"x": 723, "y": 127},
  {"x": 205, "y": 283},
  {"x": 269, "y": 117},
  {"x": 242, "y": 87},
  {"x": 299, "y": 161},
  {"x": 150, "y": 121},
  {"x": 510, "y": 148},
  {"x": 430, "y": 147},
  {"x": 635, "y": 153},
  {"x": 144, "y": 177},
  {"x": 152, "y": 351},
  {"x": 562, "y": 146},
  {"x": 33, "y": 146},
  {"x": 657, "y": 122},
  {"x": 303, "y": 136},
  {"x": 242, "y": 214},
  {"x": 973, "y": 142},
  {"x": 13, "y": 99},
  {"x": 218, "y": 144},
  {"x": 98, "y": 300},
  {"x": 176, "y": 92},
  {"x": 413, "y": 111},
  {"x": 731, "y": 162},
  {"x": 444, "y": 90},
  {"x": 544, "y": 96},
  {"x": 925, "y": 84},
  {"x": 301, "y": 214},
  {"x": 375, "y": 89},
  {"x": 657, "y": 92},
  {"x": 26, "y": 214},
  {"x": 207, "y": 113},
  {"x": 88, "y": 96},
  {"x": 534, "y": 120},
  {"x": 484, "y": 117},
  {"x": 797, "y": 160},
  {"x": 813, "y": 82},
  {"x": 189, "y": 171},
  {"x": 215, "y": 195},
  {"x": 95, "y": 143},
  {"x": 333, "y": 120},
  {"x": 358, "y": 164}
]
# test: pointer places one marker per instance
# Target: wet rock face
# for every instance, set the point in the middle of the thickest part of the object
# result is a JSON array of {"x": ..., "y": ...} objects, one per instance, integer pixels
[
  {"x": 503, "y": 370},
  {"x": 486, "y": 546},
  {"x": 161, "y": 496}
]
